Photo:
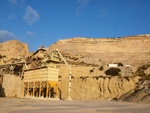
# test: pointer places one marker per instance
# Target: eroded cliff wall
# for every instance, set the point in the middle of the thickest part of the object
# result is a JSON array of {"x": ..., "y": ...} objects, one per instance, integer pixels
[{"x": 98, "y": 88}]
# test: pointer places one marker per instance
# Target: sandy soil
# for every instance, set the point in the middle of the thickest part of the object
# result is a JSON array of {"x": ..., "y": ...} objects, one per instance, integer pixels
[{"x": 17, "y": 105}]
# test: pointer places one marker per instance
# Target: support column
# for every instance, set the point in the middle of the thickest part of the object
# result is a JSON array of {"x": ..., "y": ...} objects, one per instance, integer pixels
[
  {"x": 43, "y": 92},
  {"x": 28, "y": 89},
  {"x": 23, "y": 88},
  {"x": 49, "y": 93},
  {"x": 40, "y": 90},
  {"x": 47, "y": 89},
  {"x": 57, "y": 91},
  {"x": 33, "y": 88},
  {"x": 37, "y": 92},
  {"x": 31, "y": 91},
  {"x": 69, "y": 91}
]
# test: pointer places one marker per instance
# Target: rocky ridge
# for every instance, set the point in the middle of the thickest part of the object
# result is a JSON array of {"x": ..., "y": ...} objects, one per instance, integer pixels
[
  {"x": 102, "y": 51},
  {"x": 13, "y": 49}
]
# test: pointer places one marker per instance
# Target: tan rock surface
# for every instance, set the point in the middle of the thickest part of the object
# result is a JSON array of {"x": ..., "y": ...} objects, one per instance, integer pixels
[
  {"x": 14, "y": 49},
  {"x": 102, "y": 51},
  {"x": 11, "y": 86},
  {"x": 86, "y": 55},
  {"x": 101, "y": 88}
]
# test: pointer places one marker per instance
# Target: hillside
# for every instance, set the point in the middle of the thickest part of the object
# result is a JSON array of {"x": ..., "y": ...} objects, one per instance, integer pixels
[
  {"x": 13, "y": 49},
  {"x": 89, "y": 58},
  {"x": 102, "y": 51}
]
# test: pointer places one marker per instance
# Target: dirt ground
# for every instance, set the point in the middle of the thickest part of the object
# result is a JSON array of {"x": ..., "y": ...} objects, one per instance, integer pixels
[{"x": 18, "y": 105}]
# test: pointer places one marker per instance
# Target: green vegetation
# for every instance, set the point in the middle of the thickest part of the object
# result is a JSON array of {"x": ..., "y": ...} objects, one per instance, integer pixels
[
  {"x": 113, "y": 72},
  {"x": 101, "y": 68},
  {"x": 4, "y": 56},
  {"x": 140, "y": 72},
  {"x": 119, "y": 74}
]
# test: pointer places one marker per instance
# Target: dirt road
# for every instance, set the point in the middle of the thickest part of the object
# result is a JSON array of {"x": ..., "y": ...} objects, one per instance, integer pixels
[{"x": 17, "y": 105}]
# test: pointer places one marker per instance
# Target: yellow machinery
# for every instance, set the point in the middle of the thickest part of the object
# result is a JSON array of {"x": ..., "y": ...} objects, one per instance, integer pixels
[{"x": 43, "y": 81}]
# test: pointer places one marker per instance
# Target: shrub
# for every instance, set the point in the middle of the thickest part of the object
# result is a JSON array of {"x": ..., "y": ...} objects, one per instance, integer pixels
[
  {"x": 101, "y": 68},
  {"x": 119, "y": 74},
  {"x": 4, "y": 56},
  {"x": 91, "y": 71},
  {"x": 113, "y": 72}
]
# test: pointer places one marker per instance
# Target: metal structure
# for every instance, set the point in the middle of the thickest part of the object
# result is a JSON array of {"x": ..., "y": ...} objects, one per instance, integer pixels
[
  {"x": 43, "y": 81},
  {"x": 39, "y": 73},
  {"x": 12, "y": 66},
  {"x": 69, "y": 89}
]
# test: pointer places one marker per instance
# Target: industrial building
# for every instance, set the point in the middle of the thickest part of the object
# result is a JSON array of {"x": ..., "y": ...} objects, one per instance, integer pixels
[{"x": 39, "y": 73}]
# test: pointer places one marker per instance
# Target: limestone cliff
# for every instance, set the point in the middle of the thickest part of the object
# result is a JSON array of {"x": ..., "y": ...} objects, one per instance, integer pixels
[
  {"x": 100, "y": 51},
  {"x": 14, "y": 49}
]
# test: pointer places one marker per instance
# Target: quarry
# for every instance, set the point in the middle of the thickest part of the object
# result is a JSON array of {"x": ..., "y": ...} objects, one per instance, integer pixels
[{"x": 82, "y": 70}]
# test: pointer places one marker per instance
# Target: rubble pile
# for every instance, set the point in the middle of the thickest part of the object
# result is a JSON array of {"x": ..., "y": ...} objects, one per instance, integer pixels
[{"x": 140, "y": 94}]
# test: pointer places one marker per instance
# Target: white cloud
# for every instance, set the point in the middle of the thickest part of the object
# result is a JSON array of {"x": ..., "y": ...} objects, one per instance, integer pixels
[
  {"x": 6, "y": 35},
  {"x": 13, "y": 1},
  {"x": 29, "y": 33},
  {"x": 31, "y": 16},
  {"x": 16, "y": 2},
  {"x": 11, "y": 16},
  {"x": 103, "y": 13},
  {"x": 81, "y": 4}
]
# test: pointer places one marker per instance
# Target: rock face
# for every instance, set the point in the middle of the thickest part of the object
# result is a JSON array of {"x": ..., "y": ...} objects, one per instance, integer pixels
[
  {"x": 14, "y": 49},
  {"x": 89, "y": 59},
  {"x": 97, "y": 88},
  {"x": 104, "y": 51},
  {"x": 11, "y": 86},
  {"x": 87, "y": 55},
  {"x": 141, "y": 94}
]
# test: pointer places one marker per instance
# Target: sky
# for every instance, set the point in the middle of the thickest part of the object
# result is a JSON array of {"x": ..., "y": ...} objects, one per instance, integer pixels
[{"x": 44, "y": 22}]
